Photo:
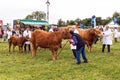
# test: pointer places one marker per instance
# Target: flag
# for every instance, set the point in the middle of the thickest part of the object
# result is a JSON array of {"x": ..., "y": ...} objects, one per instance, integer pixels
[
  {"x": 115, "y": 20},
  {"x": 93, "y": 21}
]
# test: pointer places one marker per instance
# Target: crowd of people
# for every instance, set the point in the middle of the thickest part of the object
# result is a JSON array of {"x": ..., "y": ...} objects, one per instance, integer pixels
[{"x": 6, "y": 34}]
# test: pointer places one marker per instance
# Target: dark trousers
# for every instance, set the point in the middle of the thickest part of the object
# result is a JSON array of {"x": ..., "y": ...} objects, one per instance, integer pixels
[
  {"x": 78, "y": 52},
  {"x": 74, "y": 53},
  {"x": 25, "y": 46},
  {"x": 115, "y": 39},
  {"x": 96, "y": 40},
  {"x": 103, "y": 47}
]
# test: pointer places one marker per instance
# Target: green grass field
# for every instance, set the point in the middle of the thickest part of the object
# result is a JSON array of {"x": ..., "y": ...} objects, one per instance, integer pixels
[{"x": 101, "y": 66}]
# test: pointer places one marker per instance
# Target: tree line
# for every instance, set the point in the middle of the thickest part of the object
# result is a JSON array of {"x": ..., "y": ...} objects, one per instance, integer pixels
[{"x": 39, "y": 15}]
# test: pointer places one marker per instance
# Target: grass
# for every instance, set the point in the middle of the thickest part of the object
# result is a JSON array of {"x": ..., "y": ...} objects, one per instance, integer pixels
[{"x": 15, "y": 66}]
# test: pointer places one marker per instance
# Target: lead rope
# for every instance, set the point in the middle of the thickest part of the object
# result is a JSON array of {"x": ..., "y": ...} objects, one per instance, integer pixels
[{"x": 62, "y": 47}]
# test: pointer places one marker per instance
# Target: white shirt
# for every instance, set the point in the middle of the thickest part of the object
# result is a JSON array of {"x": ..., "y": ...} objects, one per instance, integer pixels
[
  {"x": 51, "y": 30},
  {"x": 27, "y": 33},
  {"x": 76, "y": 31},
  {"x": 9, "y": 33}
]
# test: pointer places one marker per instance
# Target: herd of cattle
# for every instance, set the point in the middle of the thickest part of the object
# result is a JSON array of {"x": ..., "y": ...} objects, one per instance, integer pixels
[{"x": 52, "y": 40}]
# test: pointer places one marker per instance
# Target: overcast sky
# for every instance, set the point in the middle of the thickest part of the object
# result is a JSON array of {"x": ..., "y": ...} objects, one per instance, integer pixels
[{"x": 59, "y": 9}]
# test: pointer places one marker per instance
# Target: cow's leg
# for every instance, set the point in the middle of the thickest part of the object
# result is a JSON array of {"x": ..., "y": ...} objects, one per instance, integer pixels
[
  {"x": 19, "y": 48},
  {"x": 53, "y": 54},
  {"x": 13, "y": 48},
  {"x": 90, "y": 48},
  {"x": 33, "y": 49},
  {"x": 10, "y": 46},
  {"x": 56, "y": 54}
]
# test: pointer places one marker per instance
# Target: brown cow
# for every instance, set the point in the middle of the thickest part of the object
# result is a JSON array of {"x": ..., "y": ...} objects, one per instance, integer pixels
[
  {"x": 89, "y": 35},
  {"x": 17, "y": 41},
  {"x": 51, "y": 40}
]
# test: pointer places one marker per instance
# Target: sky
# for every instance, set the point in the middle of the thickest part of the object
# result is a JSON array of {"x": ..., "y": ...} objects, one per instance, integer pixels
[{"x": 58, "y": 9}]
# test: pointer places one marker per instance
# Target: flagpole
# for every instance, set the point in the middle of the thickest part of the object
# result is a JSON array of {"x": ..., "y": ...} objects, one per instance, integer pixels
[{"x": 48, "y": 3}]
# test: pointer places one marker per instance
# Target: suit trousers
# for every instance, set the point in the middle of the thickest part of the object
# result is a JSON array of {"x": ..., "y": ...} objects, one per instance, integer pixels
[{"x": 103, "y": 47}]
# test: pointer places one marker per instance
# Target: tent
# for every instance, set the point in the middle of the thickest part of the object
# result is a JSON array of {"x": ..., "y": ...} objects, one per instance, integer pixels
[
  {"x": 112, "y": 25},
  {"x": 34, "y": 22}
]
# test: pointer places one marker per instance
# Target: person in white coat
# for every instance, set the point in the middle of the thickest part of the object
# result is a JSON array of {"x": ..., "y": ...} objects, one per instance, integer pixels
[
  {"x": 27, "y": 32},
  {"x": 115, "y": 34},
  {"x": 107, "y": 40}
]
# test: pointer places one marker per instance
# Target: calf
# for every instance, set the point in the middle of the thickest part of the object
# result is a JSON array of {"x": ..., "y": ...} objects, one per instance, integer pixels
[{"x": 17, "y": 41}]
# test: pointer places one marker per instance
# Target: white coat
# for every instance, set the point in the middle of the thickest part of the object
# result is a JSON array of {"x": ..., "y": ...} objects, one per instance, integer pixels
[
  {"x": 107, "y": 37},
  {"x": 115, "y": 33}
]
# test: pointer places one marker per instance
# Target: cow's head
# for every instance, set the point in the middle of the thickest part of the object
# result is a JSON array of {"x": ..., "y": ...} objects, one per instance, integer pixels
[
  {"x": 66, "y": 34},
  {"x": 98, "y": 32}
]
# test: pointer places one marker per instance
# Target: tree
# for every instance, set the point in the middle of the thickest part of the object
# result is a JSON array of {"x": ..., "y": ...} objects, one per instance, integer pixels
[
  {"x": 116, "y": 14},
  {"x": 106, "y": 21},
  {"x": 61, "y": 23},
  {"x": 29, "y": 17},
  {"x": 78, "y": 20},
  {"x": 98, "y": 21},
  {"x": 38, "y": 15},
  {"x": 72, "y": 22},
  {"x": 87, "y": 21}
]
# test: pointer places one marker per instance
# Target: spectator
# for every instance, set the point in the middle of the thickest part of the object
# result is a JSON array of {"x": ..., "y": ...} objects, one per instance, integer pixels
[
  {"x": 9, "y": 33},
  {"x": 1, "y": 31},
  {"x": 115, "y": 34},
  {"x": 107, "y": 39},
  {"x": 81, "y": 25},
  {"x": 51, "y": 28},
  {"x": 27, "y": 32},
  {"x": 17, "y": 32},
  {"x": 4, "y": 35},
  {"x": 76, "y": 25},
  {"x": 80, "y": 47}
]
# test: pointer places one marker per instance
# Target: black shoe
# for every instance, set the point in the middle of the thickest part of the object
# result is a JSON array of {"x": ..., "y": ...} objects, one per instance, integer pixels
[
  {"x": 78, "y": 62},
  {"x": 85, "y": 62}
]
